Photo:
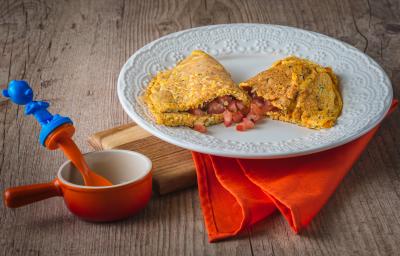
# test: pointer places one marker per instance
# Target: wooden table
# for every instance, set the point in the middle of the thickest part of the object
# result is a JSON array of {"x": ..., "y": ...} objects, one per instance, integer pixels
[{"x": 72, "y": 51}]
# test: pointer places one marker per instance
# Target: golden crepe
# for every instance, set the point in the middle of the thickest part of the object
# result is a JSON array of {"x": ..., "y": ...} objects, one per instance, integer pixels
[
  {"x": 192, "y": 92},
  {"x": 298, "y": 91}
]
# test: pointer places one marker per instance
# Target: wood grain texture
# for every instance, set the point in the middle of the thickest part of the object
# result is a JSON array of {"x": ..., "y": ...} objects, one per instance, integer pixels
[{"x": 71, "y": 53}]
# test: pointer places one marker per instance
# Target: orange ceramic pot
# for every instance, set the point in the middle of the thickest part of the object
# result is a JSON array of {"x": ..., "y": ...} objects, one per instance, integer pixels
[{"x": 130, "y": 172}]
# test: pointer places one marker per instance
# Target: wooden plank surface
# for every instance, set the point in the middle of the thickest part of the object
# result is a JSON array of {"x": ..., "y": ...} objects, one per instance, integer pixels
[{"x": 72, "y": 51}]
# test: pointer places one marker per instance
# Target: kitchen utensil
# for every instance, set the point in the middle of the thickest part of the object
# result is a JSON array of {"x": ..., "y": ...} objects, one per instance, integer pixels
[{"x": 56, "y": 132}]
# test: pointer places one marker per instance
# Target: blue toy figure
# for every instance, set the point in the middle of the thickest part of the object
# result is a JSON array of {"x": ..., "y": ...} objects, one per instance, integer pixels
[{"x": 20, "y": 93}]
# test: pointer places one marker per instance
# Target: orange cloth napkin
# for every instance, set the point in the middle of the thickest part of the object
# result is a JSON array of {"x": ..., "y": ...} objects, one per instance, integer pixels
[{"x": 236, "y": 193}]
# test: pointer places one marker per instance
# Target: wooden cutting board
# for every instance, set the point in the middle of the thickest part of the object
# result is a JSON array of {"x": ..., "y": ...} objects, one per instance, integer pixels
[{"x": 173, "y": 167}]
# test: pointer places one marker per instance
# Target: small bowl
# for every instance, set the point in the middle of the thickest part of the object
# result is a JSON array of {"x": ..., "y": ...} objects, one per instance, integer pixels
[{"x": 129, "y": 171}]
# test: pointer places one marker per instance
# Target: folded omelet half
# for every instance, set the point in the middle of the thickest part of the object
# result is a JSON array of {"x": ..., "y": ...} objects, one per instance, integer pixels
[
  {"x": 172, "y": 95},
  {"x": 300, "y": 91}
]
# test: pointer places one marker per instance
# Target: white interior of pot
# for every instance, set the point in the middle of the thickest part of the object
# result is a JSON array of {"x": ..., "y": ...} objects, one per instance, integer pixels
[{"x": 118, "y": 166}]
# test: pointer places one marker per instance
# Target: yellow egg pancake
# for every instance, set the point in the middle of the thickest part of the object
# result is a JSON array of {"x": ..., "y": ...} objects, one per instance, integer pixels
[
  {"x": 193, "y": 83},
  {"x": 301, "y": 92}
]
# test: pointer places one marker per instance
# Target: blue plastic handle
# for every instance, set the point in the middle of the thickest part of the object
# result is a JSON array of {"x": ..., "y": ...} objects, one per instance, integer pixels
[{"x": 20, "y": 93}]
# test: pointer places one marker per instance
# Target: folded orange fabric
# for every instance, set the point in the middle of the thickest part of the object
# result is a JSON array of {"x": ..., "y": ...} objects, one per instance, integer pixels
[{"x": 236, "y": 193}]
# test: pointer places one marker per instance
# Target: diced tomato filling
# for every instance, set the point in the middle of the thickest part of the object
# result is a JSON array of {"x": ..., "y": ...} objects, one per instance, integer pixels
[
  {"x": 254, "y": 117},
  {"x": 200, "y": 127},
  {"x": 234, "y": 111},
  {"x": 245, "y": 125},
  {"x": 232, "y": 106},
  {"x": 227, "y": 118},
  {"x": 242, "y": 108},
  {"x": 197, "y": 112},
  {"x": 258, "y": 108},
  {"x": 237, "y": 117},
  {"x": 215, "y": 108}
]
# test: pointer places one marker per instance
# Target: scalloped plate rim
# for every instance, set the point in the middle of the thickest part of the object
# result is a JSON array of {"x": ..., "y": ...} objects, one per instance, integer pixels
[{"x": 262, "y": 155}]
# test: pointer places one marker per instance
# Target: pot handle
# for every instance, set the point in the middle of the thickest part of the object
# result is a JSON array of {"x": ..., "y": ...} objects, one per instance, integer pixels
[{"x": 23, "y": 195}]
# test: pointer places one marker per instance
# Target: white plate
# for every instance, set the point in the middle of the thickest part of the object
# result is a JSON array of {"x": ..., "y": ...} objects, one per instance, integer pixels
[{"x": 245, "y": 50}]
